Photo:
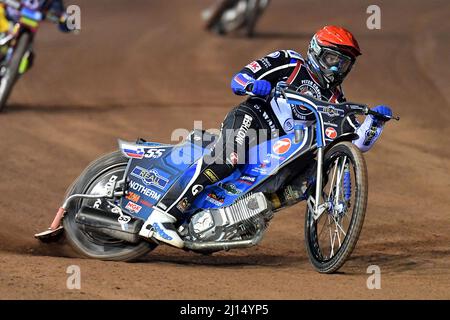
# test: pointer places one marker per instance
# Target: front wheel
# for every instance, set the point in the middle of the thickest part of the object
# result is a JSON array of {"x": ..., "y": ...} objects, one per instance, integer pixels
[
  {"x": 10, "y": 71},
  {"x": 93, "y": 180},
  {"x": 331, "y": 238}
]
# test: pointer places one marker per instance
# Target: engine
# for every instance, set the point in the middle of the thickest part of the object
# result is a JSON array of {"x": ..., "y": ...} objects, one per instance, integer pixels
[{"x": 236, "y": 222}]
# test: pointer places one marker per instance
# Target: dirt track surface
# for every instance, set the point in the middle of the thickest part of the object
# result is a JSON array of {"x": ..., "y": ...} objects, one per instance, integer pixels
[{"x": 144, "y": 69}]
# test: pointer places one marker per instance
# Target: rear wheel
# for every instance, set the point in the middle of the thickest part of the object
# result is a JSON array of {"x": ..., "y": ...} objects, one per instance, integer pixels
[
  {"x": 93, "y": 180},
  {"x": 331, "y": 238},
  {"x": 10, "y": 71}
]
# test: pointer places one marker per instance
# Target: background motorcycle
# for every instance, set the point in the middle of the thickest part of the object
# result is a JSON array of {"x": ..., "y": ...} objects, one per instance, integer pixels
[
  {"x": 106, "y": 206},
  {"x": 16, "y": 46},
  {"x": 231, "y": 15}
]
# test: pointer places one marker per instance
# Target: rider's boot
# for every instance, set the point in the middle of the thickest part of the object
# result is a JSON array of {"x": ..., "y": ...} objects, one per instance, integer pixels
[
  {"x": 160, "y": 225},
  {"x": 171, "y": 208}
]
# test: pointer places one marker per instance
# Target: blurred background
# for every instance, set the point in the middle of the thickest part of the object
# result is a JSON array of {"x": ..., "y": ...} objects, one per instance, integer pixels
[{"x": 143, "y": 68}]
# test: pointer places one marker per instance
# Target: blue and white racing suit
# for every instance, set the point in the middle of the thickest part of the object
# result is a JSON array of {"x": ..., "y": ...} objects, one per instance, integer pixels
[{"x": 289, "y": 66}]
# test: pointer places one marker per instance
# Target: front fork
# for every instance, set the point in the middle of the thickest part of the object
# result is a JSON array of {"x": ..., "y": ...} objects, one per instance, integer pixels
[{"x": 316, "y": 204}]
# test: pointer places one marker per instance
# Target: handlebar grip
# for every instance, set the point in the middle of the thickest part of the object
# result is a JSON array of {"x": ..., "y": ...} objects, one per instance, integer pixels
[{"x": 382, "y": 116}]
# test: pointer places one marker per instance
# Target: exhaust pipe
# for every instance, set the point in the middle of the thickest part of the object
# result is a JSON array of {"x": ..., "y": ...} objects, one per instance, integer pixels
[
  {"x": 225, "y": 245},
  {"x": 108, "y": 223}
]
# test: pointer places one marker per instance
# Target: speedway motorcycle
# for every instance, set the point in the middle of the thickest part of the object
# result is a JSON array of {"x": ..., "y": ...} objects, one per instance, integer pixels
[
  {"x": 231, "y": 15},
  {"x": 106, "y": 207},
  {"x": 16, "y": 51}
]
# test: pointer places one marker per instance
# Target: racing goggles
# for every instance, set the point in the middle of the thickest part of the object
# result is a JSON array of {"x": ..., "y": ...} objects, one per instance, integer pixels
[{"x": 335, "y": 61}]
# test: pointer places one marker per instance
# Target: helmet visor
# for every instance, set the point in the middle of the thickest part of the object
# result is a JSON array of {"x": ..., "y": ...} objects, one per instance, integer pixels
[{"x": 335, "y": 61}]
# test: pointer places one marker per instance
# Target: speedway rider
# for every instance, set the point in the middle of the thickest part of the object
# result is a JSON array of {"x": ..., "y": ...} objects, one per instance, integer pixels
[
  {"x": 53, "y": 9},
  {"x": 331, "y": 54}
]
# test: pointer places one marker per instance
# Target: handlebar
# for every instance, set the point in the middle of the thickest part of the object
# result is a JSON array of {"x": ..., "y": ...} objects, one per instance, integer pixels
[{"x": 283, "y": 87}]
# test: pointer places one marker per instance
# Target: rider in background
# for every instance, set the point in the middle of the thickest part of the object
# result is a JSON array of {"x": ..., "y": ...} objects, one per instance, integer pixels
[
  {"x": 331, "y": 54},
  {"x": 54, "y": 10},
  {"x": 230, "y": 15}
]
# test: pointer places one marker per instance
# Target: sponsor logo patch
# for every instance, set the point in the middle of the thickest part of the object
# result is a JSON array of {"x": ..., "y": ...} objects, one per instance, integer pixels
[
  {"x": 254, "y": 66},
  {"x": 144, "y": 190},
  {"x": 211, "y": 175},
  {"x": 331, "y": 133},
  {"x": 150, "y": 177},
  {"x": 161, "y": 232},
  {"x": 183, "y": 205},
  {"x": 133, "y": 196},
  {"x": 274, "y": 55},
  {"x": 246, "y": 123},
  {"x": 145, "y": 203},
  {"x": 215, "y": 199},
  {"x": 247, "y": 179},
  {"x": 133, "y": 207},
  {"x": 260, "y": 170},
  {"x": 310, "y": 88},
  {"x": 197, "y": 189},
  {"x": 330, "y": 111},
  {"x": 330, "y": 124},
  {"x": 230, "y": 188},
  {"x": 273, "y": 128},
  {"x": 282, "y": 146},
  {"x": 288, "y": 124},
  {"x": 272, "y": 157},
  {"x": 266, "y": 62},
  {"x": 370, "y": 135}
]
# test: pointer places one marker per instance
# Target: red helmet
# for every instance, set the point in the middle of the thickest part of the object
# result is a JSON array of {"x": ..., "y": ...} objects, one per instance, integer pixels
[{"x": 331, "y": 55}]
